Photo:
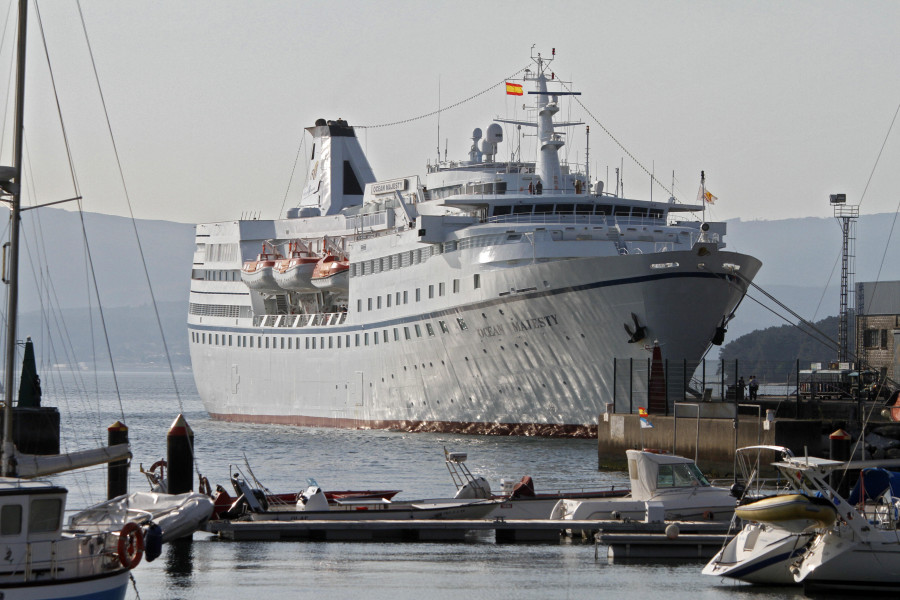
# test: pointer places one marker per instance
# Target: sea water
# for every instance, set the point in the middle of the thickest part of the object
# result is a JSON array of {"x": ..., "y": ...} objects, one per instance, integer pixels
[{"x": 283, "y": 457}]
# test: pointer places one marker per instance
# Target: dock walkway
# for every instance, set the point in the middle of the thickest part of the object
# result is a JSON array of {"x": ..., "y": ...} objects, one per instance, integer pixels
[{"x": 441, "y": 530}]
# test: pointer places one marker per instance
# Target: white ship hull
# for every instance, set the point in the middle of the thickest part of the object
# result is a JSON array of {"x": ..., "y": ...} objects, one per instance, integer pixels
[{"x": 536, "y": 362}]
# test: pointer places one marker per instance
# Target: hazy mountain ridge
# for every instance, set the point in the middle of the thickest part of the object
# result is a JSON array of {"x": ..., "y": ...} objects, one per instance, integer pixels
[{"x": 798, "y": 257}]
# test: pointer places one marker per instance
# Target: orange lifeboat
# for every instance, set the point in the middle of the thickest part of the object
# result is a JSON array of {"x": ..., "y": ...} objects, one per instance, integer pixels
[
  {"x": 258, "y": 274},
  {"x": 331, "y": 272},
  {"x": 295, "y": 273}
]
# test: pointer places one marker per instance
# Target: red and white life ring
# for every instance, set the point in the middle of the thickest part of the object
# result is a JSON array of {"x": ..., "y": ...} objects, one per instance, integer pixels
[{"x": 131, "y": 545}]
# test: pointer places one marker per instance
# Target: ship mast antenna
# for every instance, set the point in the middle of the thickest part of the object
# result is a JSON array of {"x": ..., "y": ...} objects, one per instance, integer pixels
[{"x": 439, "y": 121}]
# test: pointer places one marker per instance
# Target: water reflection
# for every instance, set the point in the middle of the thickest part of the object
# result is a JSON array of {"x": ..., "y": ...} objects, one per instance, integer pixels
[{"x": 180, "y": 563}]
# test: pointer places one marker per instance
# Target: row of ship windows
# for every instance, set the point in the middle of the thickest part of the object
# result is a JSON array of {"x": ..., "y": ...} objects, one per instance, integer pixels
[
  {"x": 218, "y": 310},
  {"x": 220, "y": 275},
  {"x": 323, "y": 342},
  {"x": 398, "y": 298},
  {"x": 578, "y": 209}
]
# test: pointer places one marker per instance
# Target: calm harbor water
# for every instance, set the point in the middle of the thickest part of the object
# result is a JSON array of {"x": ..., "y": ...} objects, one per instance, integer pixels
[{"x": 283, "y": 457}]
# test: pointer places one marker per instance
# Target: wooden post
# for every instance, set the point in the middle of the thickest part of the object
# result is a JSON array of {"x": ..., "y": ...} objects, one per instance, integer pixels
[
  {"x": 117, "y": 471},
  {"x": 180, "y": 456}
]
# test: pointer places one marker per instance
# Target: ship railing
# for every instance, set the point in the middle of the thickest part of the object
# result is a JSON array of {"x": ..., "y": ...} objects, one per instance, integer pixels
[
  {"x": 569, "y": 219},
  {"x": 304, "y": 320}
]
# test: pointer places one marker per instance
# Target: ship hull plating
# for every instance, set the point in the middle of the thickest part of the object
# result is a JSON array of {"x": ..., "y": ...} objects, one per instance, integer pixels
[{"x": 530, "y": 353}]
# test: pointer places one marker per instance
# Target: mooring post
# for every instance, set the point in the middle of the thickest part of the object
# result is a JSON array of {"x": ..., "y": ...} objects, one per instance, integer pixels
[
  {"x": 117, "y": 471},
  {"x": 180, "y": 456}
]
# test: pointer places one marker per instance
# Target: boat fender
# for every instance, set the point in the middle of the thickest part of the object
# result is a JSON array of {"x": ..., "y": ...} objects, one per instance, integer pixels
[
  {"x": 153, "y": 542},
  {"x": 131, "y": 545},
  {"x": 738, "y": 489}
]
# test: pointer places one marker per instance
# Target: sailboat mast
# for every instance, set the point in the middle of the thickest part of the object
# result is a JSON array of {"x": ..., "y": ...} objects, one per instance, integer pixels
[{"x": 8, "y": 451}]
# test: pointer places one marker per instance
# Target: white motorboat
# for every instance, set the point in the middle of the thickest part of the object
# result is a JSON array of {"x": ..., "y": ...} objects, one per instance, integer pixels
[
  {"x": 313, "y": 505},
  {"x": 777, "y": 528},
  {"x": 518, "y": 499},
  {"x": 861, "y": 552},
  {"x": 663, "y": 486}
]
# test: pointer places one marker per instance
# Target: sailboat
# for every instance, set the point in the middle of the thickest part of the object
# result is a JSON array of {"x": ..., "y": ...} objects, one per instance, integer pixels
[{"x": 43, "y": 558}]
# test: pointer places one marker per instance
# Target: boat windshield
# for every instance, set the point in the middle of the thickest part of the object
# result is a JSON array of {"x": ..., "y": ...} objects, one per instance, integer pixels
[{"x": 680, "y": 475}]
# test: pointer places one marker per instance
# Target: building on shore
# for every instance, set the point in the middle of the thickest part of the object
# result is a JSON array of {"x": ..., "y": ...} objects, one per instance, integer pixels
[{"x": 878, "y": 326}]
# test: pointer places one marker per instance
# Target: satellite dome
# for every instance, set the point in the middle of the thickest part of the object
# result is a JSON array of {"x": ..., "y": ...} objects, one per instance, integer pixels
[{"x": 494, "y": 133}]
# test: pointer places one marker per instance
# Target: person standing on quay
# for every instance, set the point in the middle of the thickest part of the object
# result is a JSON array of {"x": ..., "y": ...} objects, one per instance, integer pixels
[
  {"x": 739, "y": 390},
  {"x": 754, "y": 388}
]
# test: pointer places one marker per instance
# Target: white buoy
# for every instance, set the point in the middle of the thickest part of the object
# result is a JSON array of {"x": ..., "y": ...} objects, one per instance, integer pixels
[{"x": 672, "y": 531}]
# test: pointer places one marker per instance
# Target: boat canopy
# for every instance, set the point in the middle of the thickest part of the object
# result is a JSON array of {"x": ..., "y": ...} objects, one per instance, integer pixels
[
  {"x": 873, "y": 483},
  {"x": 650, "y": 471}
]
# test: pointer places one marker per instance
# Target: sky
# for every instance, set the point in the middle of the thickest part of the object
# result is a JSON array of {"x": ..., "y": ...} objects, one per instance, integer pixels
[{"x": 780, "y": 103}]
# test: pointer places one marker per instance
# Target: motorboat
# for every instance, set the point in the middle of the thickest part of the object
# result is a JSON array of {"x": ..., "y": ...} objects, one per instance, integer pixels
[
  {"x": 776, "y": 528},
  {"x": 861, "y": 551},
  {"x": 518, "y": 499},
  {"x": 313, "y": 505},
  {"x": 228, "y": 506},
  {"x": 663, "y": 487}
]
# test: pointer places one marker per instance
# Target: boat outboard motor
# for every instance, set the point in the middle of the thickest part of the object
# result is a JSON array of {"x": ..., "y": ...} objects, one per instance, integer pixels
[
  {"x": 477, "y": 487},
  {"x": 312, "y": 499}
]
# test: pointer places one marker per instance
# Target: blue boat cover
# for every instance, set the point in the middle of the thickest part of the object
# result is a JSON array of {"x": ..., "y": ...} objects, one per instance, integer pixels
[{"x": 875, "y": 482}]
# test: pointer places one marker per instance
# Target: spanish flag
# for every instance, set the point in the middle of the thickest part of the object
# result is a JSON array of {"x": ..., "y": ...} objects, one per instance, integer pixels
[
  {"x": 704, "y": 196},
  {"x": 642, "y": 412},
  {"x": 513, "y": 89}
]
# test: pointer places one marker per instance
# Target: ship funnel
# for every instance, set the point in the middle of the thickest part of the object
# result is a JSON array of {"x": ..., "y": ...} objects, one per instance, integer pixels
[{"x": 338, "y": 169}]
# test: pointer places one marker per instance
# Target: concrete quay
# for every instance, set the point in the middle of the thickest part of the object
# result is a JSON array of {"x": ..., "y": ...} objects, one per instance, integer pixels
[{"x": 709, "y": 431}]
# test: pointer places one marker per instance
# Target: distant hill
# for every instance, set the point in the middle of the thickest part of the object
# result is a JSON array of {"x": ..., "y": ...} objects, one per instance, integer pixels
[
  {"x": 134, "y": 337},
  {"x": 798, "y": 258}
]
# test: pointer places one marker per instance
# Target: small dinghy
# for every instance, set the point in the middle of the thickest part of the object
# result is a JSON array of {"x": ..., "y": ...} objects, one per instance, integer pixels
[{"x": 793, "y": 512}]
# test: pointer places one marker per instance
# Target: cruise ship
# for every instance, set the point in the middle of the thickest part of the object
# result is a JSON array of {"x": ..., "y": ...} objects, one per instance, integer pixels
[{"x": 492, "y": 297}]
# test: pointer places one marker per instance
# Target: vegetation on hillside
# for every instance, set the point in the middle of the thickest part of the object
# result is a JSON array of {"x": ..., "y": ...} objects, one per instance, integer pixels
[{"x": 772, "y": 353}]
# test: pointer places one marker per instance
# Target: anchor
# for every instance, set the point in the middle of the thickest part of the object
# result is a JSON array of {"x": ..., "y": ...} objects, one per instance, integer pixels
[{"x": 638, "y": 333}]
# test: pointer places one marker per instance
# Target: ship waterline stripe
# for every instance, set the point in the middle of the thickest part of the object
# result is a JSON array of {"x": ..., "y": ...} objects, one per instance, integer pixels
[
  {"x": 463, "y": 307},
  {"x": 585, "y": 431}
]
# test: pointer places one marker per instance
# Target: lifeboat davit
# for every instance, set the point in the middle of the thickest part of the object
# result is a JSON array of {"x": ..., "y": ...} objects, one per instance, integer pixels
[
  {"x": 331, "y": 273},
  {"x": 794, "y": 512},
  {"x": 295, "y": 273},
  {"x": 259, "y": 274}
]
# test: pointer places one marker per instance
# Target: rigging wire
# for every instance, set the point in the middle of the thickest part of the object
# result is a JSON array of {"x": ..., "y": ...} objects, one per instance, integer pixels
[
  {"x": 618, "y": 143},
  {"x": 130, "y": 209},
  {"x": 77, "y": 193},
  {"x": 293, "y": 170},
  {"x": 440, "y": 110}
]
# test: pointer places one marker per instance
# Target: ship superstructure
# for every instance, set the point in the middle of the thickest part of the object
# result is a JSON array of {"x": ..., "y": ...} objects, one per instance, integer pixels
[{"x": 488, "y": 298}]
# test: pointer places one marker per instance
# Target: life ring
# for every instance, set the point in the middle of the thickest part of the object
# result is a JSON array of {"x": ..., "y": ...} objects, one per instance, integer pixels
[{"x": 131, "y": 545}]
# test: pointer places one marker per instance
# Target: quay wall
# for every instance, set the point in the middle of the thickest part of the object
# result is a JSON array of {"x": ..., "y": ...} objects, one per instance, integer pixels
[{"x": 714, "y": 444}]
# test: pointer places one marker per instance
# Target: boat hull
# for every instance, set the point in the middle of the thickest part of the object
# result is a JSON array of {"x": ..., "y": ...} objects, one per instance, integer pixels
[
  {"x": 112, "y": 586},
  {"x": 760, "y": 554},
  {"x": 509, "y": 358},
  {"x": 297, "y": 278},
  {"x": 841, "y": 562}
]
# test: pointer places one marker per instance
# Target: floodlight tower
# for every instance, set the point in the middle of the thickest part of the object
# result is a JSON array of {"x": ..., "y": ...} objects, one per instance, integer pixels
[{"x": 847, "y": 214}]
